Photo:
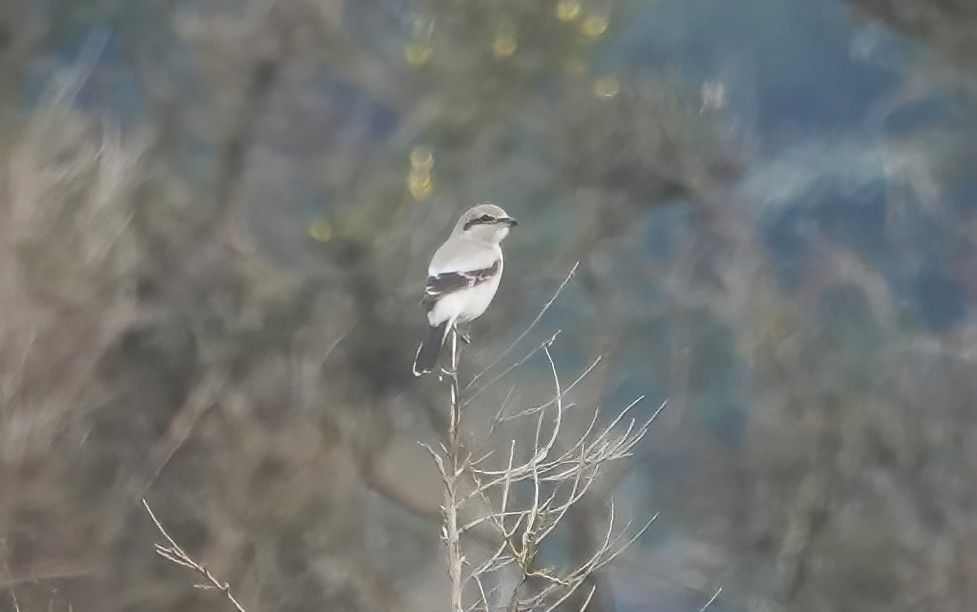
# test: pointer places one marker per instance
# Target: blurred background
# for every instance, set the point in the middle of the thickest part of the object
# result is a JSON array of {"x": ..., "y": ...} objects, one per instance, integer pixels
[{"x": 215, "y": 219}]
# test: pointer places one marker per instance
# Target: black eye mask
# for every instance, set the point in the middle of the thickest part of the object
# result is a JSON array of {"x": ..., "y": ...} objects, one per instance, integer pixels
[{"x": 483, "y": 220}]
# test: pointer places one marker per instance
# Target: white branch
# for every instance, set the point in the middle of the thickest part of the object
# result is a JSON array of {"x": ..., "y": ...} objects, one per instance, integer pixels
[
  {"x": 177, "y": 555},
  {"x": 524, "y": 496}
]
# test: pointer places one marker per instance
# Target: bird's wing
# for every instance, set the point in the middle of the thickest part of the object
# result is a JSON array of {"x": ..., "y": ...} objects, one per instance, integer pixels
[
  {"x": 460, "y": 264},
  {"x": 449, "y": 282}
]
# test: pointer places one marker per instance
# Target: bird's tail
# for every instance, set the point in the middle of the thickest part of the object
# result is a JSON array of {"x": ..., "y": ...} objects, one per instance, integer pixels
[{"x": 430, "y": 349}]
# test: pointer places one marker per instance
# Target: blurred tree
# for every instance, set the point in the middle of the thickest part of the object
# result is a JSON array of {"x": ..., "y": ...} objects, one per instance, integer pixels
[
  {"x": 257, "y": 404},
  {"x": 211, "y": 300}
]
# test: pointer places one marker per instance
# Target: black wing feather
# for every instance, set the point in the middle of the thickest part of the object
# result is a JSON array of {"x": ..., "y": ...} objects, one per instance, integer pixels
[{"x": 449, "y": 282}]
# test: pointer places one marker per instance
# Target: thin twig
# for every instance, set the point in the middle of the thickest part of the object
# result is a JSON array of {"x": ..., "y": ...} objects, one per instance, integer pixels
[
  {"x": 525, "y": 332},
  {"x": 9, "y": 578},
  {"x": 175, "y": 554},
  {"x": 478, "y": 391},
  {"x": 524, "y": 497},
  {"x": 712, "y": 600}
]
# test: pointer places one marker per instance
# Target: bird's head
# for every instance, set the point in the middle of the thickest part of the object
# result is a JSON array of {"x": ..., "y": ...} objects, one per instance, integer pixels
[{"x": 485, "y": 223}]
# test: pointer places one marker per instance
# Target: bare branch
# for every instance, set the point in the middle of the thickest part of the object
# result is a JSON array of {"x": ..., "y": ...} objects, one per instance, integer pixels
[
  {"x": 712, "y": 600},
  {"x": 505, "y": 372},
  {"x": 528, "y": 329},
  {"x": 525, "y": 495},
  {"x": 521, "y": 336},
  {"x": 175, "y": 554}
]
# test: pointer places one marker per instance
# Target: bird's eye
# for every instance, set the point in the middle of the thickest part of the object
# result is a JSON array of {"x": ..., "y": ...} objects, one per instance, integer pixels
[{"x": 485, "y": 218}]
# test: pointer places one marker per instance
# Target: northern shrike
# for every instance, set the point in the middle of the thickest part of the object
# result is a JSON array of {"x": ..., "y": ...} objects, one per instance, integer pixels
[{"x": 462, "y": 277}]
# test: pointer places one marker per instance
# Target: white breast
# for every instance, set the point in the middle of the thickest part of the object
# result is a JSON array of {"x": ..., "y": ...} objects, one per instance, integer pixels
[{"x": 465, "y": 305}]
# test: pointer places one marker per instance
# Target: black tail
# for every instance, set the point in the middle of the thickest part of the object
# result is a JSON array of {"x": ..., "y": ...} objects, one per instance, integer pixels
[{"x": 430, "y": 349}]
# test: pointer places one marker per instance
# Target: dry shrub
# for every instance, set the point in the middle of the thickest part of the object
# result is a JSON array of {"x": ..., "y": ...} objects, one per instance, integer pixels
[{"x": 68, "y": 267}]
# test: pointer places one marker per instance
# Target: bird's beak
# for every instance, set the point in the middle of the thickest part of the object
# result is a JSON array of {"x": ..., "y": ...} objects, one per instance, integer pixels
[{"x": 510, "y": 221}]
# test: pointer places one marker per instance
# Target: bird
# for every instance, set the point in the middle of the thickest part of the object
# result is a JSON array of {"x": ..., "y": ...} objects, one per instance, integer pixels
[{"x": 462, "y": 278}]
